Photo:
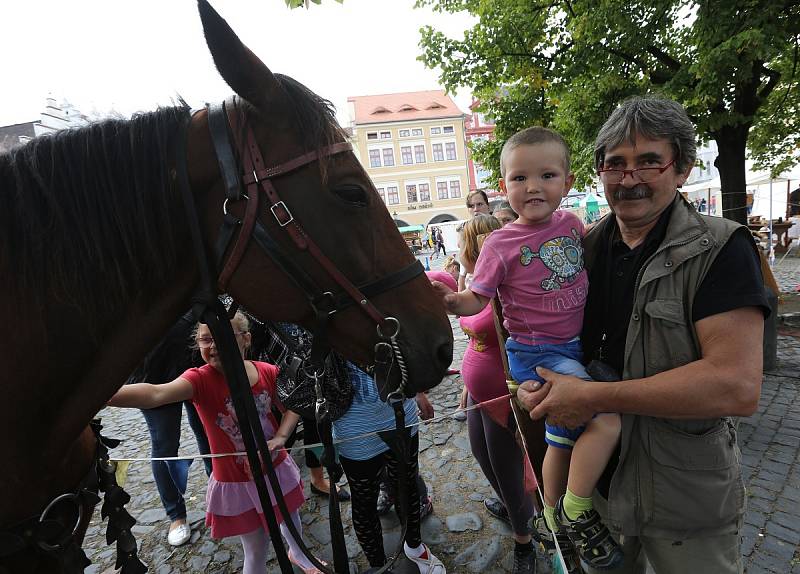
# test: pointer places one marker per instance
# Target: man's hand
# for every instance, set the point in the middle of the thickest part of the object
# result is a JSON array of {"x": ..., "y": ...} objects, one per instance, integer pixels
[{"x": 562, "y": 398}]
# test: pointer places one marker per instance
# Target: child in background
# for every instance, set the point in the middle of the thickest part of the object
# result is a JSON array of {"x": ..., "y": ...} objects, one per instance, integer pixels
[
  {"x": 233, "y": 507},
  {"x": 452, "y": 266},
  {"x": 505, "y": 215},
  {"x": 535, "y": 266}
]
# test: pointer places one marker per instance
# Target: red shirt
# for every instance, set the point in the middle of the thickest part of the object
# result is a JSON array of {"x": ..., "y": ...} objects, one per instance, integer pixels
[{"x": 215, "y": 407}]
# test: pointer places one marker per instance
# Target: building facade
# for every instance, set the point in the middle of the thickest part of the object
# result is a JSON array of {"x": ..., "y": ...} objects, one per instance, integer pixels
[{"x": 412, "y": 145}]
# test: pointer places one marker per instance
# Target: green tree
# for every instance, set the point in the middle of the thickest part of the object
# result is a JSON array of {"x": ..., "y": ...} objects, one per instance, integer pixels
[{"x": 567, "y": 64}]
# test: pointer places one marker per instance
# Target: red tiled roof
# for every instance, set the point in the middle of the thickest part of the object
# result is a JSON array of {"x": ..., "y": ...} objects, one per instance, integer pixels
[{"x": 430, "y": 104}]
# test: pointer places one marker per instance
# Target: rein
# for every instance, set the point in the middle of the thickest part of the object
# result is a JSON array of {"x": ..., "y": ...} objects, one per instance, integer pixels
[
  {"x": 224, "y": 119},
  {"x": 47, "y": 535}
]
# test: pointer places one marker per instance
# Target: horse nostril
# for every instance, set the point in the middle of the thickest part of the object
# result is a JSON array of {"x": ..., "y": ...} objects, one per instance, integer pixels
[{"x": 445, "y": 353}]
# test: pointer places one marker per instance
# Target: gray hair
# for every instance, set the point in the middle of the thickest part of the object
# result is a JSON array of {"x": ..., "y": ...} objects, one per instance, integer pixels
[
  {"x": 654, "y": 118},
  {"x": 533, "y": 136}
]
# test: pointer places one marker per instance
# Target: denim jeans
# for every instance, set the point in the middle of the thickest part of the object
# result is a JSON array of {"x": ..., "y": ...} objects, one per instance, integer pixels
[
  {"x": 564, "y": 358},
  {"x": 164, "y": 424}
]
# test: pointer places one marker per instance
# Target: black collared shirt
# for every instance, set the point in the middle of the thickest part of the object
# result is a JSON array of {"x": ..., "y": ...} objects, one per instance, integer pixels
[{"x": 734, "y": 280}]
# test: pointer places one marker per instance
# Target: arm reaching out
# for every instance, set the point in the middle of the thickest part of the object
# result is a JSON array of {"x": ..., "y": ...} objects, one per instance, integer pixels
[
  {"x": 147, "y": 396},
  {"x": 288, "y": 422},
  {"x": 463, "y": 303}
]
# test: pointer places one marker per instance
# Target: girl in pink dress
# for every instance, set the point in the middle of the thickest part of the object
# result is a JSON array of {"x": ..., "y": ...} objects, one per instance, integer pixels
[{"x": 232, "y": 504}]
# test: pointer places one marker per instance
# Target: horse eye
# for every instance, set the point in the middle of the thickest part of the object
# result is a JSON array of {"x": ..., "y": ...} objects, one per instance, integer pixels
[{"x": 352, "y": 194}]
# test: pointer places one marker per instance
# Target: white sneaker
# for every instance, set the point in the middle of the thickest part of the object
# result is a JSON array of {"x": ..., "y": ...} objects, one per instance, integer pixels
[
  {"x": 179, "y": 535},
  {"x": 427, "y": 563}
]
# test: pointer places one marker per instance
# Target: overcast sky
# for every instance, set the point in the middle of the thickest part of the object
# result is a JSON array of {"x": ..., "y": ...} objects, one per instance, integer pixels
[{"x": 131, "y": 55}]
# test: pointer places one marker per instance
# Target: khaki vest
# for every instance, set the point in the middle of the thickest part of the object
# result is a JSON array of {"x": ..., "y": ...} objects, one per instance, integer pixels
[{"x": 676, "y": 479}]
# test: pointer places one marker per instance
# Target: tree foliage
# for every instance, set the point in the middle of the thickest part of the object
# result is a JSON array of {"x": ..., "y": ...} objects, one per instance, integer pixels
[{"x": 733, "y": 64}]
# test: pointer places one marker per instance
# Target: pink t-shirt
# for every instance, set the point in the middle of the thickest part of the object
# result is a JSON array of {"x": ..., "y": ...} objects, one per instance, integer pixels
[{"x": 537, "y": 271}]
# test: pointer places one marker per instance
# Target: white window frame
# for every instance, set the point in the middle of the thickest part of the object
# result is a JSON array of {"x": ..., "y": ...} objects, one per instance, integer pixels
[
  {"x": 380, "y": 148},
  {"x": 383, "y": 191},
  {"x": 416, "y": 183},
  {"x": 452, "y": 131},
  {"x": 420, "y": 130},
  {"x": 372, "y": 138},
  {"x": 449, "y": 179},
  {"x": 438, "y": 131},
  {"x": 404, "y": 133},
  {"x": 385, "y": 135}
]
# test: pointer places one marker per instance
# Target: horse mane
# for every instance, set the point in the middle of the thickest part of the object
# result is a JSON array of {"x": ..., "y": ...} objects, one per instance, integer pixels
[
  {"x": 314, "y": 116},
  {"x": 88, "y": 213}
]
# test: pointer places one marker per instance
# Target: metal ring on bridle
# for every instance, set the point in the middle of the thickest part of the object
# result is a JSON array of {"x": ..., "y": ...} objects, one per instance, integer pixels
[
  {"x": 396, "y": 328},
  {"x": 66, "y": 496},
  {"x": 227, "y": 199}
]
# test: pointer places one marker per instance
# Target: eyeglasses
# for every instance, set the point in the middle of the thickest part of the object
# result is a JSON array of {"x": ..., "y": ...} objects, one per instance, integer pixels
[
  {"x": 206, "y": 342},
  {"x": 614, "y": 176}
]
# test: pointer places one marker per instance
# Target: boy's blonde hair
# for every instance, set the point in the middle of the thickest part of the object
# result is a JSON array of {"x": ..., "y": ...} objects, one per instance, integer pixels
[
  {"x": 532, "y": 136},
  {"x": 480, "y": 225}
]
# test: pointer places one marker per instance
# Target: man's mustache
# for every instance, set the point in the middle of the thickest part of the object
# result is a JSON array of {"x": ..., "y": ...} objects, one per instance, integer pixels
[{"x": 637, "y": 192}]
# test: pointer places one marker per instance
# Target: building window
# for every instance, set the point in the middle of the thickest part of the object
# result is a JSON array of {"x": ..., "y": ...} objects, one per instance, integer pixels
[
  {"x": 392, "y": 195},
  {"x": 372, "y": 135},
  {"x": 424, "y": 192},
  {"x": 404, "y": 133},
  {"x": 419, "y": 153},
  {"x": 374, "y": 158},
  {"x": 381, "y": 192},
  {"x": 455, "y": 188},
  {"x": 438, "y": 154},
  {"x": 416, "y": 131},
  {"x": 450, "y": 148},
  {"x": 448, "y": 130},
  {"x": 388, "y": 156},
  {"x": 411, "y": 193},
  {"x": 405, "y": 154},
  {"x": 436, "y": 131},
  {"x": 386, "y": 135},
  {"x": 441, "y": 189}
]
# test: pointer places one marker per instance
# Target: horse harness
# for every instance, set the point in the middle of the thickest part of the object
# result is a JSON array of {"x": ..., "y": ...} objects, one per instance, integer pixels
[
  {"x": 46, "y": 535},
  {"x": 243, "y": 169}
]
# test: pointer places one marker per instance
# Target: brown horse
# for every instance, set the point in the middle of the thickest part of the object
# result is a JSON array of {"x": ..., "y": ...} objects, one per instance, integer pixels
[{"x": 96, "y": 264}]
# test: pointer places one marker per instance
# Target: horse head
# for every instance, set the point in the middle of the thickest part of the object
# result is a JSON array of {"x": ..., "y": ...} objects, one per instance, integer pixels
[{"x": 335, "y": 202}]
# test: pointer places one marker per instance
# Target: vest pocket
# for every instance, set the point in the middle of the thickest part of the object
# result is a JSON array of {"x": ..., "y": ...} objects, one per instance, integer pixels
[
  {"x": 696, "y": 479},
  {"x": 668, "y": 339}
]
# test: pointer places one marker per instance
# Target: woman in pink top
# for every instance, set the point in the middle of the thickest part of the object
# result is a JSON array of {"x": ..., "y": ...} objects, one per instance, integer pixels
[{"x": 492, "y": 428}]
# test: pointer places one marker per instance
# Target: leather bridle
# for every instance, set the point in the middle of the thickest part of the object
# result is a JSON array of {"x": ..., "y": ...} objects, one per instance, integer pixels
[{"x": 246, "y": 178}]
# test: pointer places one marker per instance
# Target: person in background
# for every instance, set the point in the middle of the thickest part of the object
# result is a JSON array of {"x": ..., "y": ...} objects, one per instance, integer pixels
[
  {"x": 505, "y": 215},
  {"x": 233, "y": 509},
  {"x": 452, "y": 266},
  {"x": 171, "y": 357},
  {"x": 477, "y": 203}
]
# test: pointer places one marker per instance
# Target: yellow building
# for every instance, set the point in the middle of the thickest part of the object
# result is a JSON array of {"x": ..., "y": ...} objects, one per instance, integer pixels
[{"x": 412, "y": 146}]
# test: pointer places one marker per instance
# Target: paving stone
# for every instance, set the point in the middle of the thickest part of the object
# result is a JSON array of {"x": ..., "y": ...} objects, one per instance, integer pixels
[
  {"x": 462, "y": 522},
  {"x": 479, "y": 556}
]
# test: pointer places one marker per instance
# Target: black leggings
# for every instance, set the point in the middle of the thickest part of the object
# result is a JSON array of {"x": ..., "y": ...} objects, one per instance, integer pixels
[{"x": 363, "y": 476}]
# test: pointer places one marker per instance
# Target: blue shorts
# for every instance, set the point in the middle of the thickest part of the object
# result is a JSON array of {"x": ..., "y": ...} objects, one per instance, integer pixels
[{"x": 565, "y": 359}]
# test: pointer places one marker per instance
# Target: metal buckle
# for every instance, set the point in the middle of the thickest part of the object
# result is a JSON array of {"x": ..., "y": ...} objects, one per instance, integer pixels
[
  {"x": 286, "y": 209},
  {"x": 73, "y": 498}
]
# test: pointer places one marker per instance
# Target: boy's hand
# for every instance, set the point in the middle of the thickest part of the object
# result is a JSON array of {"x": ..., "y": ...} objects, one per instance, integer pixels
[{"x": 449, "y": 297}]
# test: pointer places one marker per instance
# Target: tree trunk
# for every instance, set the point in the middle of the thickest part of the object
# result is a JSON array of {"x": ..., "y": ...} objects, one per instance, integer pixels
[{"x": 731, "y": 144}]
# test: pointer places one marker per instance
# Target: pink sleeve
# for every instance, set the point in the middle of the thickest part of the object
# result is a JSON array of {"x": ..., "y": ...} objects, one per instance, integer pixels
[{"x": 489, "y": 271}]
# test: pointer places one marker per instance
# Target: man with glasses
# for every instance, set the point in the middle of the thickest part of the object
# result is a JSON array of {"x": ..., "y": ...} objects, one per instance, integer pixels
[{"x": 676, "y": 307}]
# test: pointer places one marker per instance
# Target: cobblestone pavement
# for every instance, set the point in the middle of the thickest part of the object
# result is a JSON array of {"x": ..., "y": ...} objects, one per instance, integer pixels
[{"x": 459, "y": 531}]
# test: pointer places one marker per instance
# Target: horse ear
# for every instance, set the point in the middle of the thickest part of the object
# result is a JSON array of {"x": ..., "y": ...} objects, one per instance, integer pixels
[{"x": 248, "y": 76}]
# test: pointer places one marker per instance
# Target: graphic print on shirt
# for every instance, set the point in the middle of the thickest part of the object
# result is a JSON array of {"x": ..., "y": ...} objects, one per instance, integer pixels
[
  {"x": 230, "y": 426},
  {"x": 479, "y": 344},
  {"x": 562, "y": 255}
]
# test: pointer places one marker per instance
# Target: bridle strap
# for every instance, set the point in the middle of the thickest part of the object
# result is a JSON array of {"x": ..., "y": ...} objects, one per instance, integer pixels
[
  {"x": 286, "y": 220},
  {"x": 293, "y": 164}
]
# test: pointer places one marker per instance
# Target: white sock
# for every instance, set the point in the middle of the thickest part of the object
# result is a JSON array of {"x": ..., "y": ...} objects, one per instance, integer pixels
[
  {"x": 297, "y": 553},
  {"x": 414, "y": 552}
]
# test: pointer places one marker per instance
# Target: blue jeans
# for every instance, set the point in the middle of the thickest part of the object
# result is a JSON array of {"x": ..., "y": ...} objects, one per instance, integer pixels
[
  {"x": 164, "y": 424},
  {"x": 564, "y": 359}
]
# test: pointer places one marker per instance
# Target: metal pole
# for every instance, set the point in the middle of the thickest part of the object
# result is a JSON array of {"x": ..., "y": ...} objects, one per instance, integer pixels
[{"x": 771, "y": 257}]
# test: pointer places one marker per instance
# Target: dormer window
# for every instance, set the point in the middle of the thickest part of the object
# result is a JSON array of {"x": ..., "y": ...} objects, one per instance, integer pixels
[
  {"x": 434, "y": 106},
  {"x": 407, "y": 108},
  {"x": 381, "y": 110}
]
